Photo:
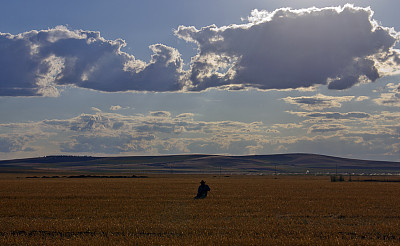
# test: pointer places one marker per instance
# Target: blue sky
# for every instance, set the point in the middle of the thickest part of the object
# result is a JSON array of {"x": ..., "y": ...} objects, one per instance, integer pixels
[{"x": 219, "y": 77}]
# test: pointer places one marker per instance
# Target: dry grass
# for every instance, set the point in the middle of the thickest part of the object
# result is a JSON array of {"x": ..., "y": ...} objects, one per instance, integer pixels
[{"x": 160, "y": 210}]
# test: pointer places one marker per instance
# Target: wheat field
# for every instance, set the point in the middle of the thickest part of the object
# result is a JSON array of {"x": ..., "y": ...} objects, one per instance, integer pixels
[{"x": 160, "y": 210}]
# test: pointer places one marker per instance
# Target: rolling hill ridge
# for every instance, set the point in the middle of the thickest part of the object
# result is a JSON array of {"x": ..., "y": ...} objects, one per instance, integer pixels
[{"x": 265, "y": 164}]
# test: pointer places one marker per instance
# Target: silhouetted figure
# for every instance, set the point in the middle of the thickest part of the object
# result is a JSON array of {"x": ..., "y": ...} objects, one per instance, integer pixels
[{"x": 202, "y": 190}]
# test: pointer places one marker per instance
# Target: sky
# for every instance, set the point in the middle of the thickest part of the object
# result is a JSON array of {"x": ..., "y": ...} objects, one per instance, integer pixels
[{"x": 118, "y": 78}]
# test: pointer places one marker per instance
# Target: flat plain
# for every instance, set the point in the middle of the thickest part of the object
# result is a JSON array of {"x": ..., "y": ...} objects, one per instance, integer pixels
[{"x": 160, "y": 210}]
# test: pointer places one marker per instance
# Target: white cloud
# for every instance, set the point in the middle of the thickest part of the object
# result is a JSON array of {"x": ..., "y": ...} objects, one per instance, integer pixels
[
  {"x": 36, "y": 63},
  {"x": 118, "y": 107},
  {"x": 361, "y": 98},
  {"x": 96, "y": 109}
]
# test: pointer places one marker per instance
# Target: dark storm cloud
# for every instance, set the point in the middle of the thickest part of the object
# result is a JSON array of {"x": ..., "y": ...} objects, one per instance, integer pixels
[
  {"x": 36, "y": 62},
  {"x": 292, "y": 49}
]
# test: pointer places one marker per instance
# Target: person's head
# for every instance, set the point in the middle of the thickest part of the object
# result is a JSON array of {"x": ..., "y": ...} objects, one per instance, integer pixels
[{"x": 202, "y": 182}]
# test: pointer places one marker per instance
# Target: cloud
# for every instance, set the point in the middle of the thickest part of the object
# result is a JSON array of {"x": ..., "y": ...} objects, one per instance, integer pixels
[
  {"x": 160, "y": 114},
  {"x": 156, "y": 132},
  {"x": 361, "y": 98},
  {"x": 13, "y": 143},
  {"x": 391, "y": 98},
  {"x": 118, "y": 107},
  {"x": 326, "y": 128},
  {"x": 159, "y": 132},
  {"x": 36, "y": 63},
  {"x": 335, "y": 46},
  {"x": 334, "y": 115},
  {"x": 318, "y": 101},
  {"x": 8, "y": 144},
  {"x": 352, "y": 147},
  {"x": 107, "y": 144},
  {"x": 390, "y": 116},
  {"x": 283, "y": 49},
  {"x": 95, "y": 109},
  {"x": 288, "y": 125},
  {"x": 352, "y": 134},
  {"x": 186, "y": 115},
  {"x": 85, "y": 123}
]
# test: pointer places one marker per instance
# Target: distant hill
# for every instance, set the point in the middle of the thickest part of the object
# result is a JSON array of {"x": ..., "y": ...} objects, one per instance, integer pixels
[{"x": 258, "y": 164}]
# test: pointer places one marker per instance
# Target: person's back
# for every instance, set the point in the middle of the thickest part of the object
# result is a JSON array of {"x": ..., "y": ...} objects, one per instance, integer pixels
[{"x": 202, "y": 190}]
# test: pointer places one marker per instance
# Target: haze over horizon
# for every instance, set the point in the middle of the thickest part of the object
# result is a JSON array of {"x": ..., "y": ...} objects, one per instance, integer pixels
[{"x": 121, "y": 78}]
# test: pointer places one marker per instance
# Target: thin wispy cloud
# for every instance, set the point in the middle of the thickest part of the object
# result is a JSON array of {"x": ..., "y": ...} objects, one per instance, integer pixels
[
  {"x": 318, "y": 101},
  {"x": 328, "y": 128},
  {"x": 334, "y": 115}
]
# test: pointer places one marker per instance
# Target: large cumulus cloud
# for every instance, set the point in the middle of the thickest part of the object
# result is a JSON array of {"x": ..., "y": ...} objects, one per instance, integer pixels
[
  {"x": 337, "y": 46},
  {"x": 36, "y": 62}
]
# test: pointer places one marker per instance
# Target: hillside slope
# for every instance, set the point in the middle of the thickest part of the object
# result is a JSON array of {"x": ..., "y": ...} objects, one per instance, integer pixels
[{"x": 279, "y": 163}]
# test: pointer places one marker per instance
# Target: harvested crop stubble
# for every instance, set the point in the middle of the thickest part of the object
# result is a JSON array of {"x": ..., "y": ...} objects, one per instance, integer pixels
[{"x": 247, "y": 210}]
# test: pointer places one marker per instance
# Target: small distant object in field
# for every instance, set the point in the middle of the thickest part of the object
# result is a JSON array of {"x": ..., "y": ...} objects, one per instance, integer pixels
[{"x": 202, "y": 190}]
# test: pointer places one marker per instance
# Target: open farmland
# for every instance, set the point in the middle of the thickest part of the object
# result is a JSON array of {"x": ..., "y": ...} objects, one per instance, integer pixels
[{"x": 160, "y": 210}]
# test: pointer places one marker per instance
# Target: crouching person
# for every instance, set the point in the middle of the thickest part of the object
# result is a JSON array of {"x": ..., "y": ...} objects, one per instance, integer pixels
[{"x": 202, "y": 190}]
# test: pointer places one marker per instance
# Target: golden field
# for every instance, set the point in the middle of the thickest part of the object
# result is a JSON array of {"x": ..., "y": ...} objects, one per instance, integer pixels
[{"x": 160, "y": 210}]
